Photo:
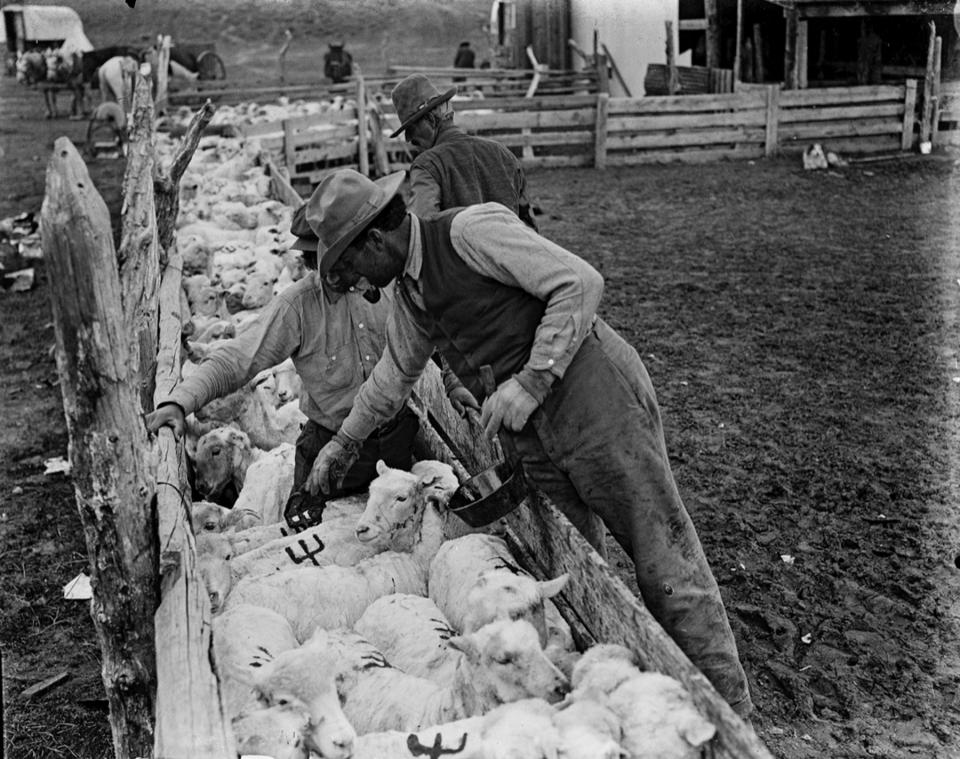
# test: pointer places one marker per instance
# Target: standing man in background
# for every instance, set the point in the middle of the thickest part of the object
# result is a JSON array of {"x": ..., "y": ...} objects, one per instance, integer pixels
[
  {"x": 464, "y": 59},
  {"x": 453, "y": 168}
]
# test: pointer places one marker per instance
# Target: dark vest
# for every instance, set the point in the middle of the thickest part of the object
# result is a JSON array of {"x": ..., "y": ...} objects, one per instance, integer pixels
[{"x": 473, "y": 319}]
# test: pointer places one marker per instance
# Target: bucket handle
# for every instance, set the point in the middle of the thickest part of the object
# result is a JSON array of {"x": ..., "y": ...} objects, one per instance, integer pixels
[{"x": 489, "y": 384}]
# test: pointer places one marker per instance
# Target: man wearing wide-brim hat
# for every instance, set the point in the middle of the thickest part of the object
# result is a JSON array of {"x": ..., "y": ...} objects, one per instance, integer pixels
[
  {"x": 334, "y": 339},
  {"x": 453, "y": 168},
  {"x": 481, "y": 287}
]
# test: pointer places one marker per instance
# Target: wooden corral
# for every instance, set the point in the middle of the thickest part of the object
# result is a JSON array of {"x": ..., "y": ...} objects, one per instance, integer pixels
[
  {"x": 948, "y": 121},
  {"x": 597, "y": 130},
  {"x": 188, "y": 719}
]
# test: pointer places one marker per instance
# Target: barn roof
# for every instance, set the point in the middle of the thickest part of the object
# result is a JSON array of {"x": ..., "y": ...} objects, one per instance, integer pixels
[{"x": 848, "y": 8}]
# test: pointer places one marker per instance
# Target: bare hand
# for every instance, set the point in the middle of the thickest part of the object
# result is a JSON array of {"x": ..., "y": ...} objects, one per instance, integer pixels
[
  {"x": 510, "y": 406},
  {"x": 170, "y": 415},
  {"x": 461, "y": 399}
]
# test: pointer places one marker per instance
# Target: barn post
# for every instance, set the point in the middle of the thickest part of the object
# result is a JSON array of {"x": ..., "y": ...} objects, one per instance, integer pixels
[
  {"x": 108, "y": 450},
  {"x": 738, "y": 53},
  {"x": 600, "y": 133},
  {"x": 713, "y": 33},
  {"x": 772, "y": 136},
  {"x": 926, "y": 120},
  {"x": 909, "y": 114},
  {"x": 138, "y": 257},
  {"x": 790, "y": 49}
]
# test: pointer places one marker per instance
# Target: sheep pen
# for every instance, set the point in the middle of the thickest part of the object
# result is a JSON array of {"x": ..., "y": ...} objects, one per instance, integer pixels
[
  {"x": 597, "y": 605},
  {"x": 803, "y": 363}
]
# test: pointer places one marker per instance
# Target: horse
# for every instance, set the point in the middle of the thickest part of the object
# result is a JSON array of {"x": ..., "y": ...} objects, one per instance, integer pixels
[{"x": 31, "y": 67}]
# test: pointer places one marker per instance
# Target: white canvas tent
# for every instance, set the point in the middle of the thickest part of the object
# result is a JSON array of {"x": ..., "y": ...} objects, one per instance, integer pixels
[{"x": 27, "y": 26}]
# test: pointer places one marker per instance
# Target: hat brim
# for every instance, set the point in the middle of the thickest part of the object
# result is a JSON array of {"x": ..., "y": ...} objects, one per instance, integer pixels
[
  {"x": 390, "y": 185},
  {"x": 305, "y": 243},
  {"x": 424, "y": 110}
]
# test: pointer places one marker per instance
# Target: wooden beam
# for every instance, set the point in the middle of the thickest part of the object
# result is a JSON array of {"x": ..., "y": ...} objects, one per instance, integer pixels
[
  {"x": 738, "y": 50},
  {"x": 616, "y": 71},
  {"x": 713, "y": 34},
  {"x": 109, "y": 453},
  {"x": 760, "y": 69},
  {"x": 363, "y": 155},
  {"x": 673, "y": 80},
  {"x": 771, "y": 139},
  {"x": 926, "y": 125},
  {"x": 693, "y": 24},
  {"x": 803, "y": 54},
  {"x": 600, "y": 141},
  {"x": 858, "y": 9},
  {"x": 789, "y": 49},
  {"x": 935, "y": 116}
]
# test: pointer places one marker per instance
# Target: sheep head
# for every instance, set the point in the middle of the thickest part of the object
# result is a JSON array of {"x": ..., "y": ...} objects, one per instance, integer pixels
[
  {"x": 395, "y": 507},
  {"x": 505, "y": 662},
  {"x": 223, "y": 455},
  {"x": 502, "y": 594},
  {"x": 310, "y": 675},
  {"x": 277, "y": 731}
]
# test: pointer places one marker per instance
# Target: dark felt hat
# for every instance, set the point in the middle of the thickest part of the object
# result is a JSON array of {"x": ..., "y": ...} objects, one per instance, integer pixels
[
  {"x": 306, "y": 238},
  {"x": 414, "y": 98},
  {"x": 342, "y": 206}
]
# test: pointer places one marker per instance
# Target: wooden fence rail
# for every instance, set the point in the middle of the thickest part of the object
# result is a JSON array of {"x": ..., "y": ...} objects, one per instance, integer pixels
[{"x": 596, "y": 130}]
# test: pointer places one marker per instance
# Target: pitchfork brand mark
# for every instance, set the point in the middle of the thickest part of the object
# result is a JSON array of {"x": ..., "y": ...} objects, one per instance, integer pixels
[
  {"x": 436, "y": 750},
  {"x": 308, "y": 553}
]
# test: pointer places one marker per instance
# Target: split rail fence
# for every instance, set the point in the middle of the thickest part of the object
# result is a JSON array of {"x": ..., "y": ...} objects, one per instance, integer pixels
[{"x": 598, "y": 130}]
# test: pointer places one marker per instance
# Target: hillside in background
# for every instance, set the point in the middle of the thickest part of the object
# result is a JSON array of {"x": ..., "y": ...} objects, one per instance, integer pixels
[{"x": 249, "y": 35}]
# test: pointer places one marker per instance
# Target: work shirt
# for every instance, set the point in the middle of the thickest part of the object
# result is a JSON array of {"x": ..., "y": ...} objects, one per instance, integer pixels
[
  {"x": 495, "y": 243},
  {"x": 463, "y": 170},
  {"x": 334, "y": 341}
]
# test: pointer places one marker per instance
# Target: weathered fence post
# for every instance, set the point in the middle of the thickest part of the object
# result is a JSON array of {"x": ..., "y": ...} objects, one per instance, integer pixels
[
  {"x": 363, "y": 159},
  {"x": 108, "y": 442},
  {"x": 673, "y": 77},
  {"x": 909, "y": 114},
  {"x": 139, "y": 258},
  {"x": 772, "y": 136},
  {"x": 600, "y": 134}
]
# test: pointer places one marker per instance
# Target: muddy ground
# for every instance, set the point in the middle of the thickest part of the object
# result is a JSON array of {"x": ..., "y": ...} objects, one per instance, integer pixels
[{"x": 801, "y": 329}]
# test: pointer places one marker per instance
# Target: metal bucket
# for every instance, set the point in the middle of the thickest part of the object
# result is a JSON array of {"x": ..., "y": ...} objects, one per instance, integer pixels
[
  {"x": 490, "y": 495},
  {"x": 496, "y": 491}
]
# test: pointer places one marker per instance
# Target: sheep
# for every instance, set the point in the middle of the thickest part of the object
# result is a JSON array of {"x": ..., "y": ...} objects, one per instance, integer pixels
[
  {"x": 458, "y": 566},
  {"x": 587, "y": 728},
  {"x": 334, "y": 596},
  {"x": 258, "y": 289},
  {"x": 262, "y": 479},
  {"x": 657, "y": 715},
  {"x": 501, "y": 662},
  {"x": 213, "y": 556},
  {"x": 245, "y": 638},
  {"x": 329, "y": 733},
  {"x": 412, "y": 633},
  {"x": 253, "y": 413},
  {"x": 275, "y": 731}
]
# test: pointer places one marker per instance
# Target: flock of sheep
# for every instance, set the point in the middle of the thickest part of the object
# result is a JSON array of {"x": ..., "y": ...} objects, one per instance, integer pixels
[{"x": 374, "y": 633}]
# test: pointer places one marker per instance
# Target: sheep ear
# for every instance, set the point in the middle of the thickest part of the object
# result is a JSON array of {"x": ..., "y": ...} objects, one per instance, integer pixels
[
  {"x": 550, "y": 588},
  {"x": 697, "y": 732},
  {"x": 381, "y": 466},
  {"x": 466, "y": 645}
]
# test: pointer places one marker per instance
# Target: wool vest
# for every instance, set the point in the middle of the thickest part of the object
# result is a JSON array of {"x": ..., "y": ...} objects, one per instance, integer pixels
[{"x": 473, "y": 319}]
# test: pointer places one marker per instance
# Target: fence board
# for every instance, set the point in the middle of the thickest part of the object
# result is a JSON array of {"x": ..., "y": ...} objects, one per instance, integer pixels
[
  {"x": 683, "y": 156},
  {"x": 531, "y": 119},
  {"x": 332, "y": 152},
  {"x": 751, "y": 118},
  {"x": 848, "y": 113},
  {"x": 687, "y": 103},
  {"x": 841, "y": 129},
  {"x": 840, "y": 95},
  {"x": 686, "y": 139}
]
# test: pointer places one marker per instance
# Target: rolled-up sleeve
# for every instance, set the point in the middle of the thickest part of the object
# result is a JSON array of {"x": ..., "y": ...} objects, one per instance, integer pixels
[{"x": 495, "y": 243}]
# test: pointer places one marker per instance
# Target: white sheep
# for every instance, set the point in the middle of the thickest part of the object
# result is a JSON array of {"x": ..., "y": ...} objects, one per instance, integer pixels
[
  {"x": 457, "y": 568},
  {"x": 244, "y": 639},
  {"x": 501, "y": 662},
  {"x": 588, "y": 729},
  {"x": 263, "y": 479},
  {"x": 412, "y": 633},
  {"x": 277, "y": 731},
  {"x": 657, "y": 715},
  {"x": 288, "y": 382},
  {"x": 335, "y": 596}
]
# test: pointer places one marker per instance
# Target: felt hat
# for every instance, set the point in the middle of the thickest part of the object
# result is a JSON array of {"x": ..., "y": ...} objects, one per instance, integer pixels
[
  {"x": 306, "y": 238},
  {"x": 414, "y": 97},
  {"x": 342, "y": 206}
]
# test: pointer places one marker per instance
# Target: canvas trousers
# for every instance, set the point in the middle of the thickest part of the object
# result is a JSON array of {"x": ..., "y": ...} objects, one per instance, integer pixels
[{"x": 596, "y": 448}]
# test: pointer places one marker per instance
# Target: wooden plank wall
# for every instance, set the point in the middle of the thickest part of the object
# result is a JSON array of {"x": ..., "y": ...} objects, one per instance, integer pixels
[
  {"x": 843, "y": 119},
  {"x": 693, "y": 80},
  {"x": 595, "y": 130},
  {"x": 948, "y": 125}
]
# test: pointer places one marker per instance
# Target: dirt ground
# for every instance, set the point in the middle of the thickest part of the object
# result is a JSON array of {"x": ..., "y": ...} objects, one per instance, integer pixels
[{"x": 801, "y": 329}]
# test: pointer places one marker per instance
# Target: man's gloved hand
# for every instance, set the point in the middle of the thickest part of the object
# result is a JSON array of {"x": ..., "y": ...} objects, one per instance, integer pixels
[
  {"x": 331, "y": 464},
  {"x": 461, "y": 399},
  {"x": 510, "y": 406},
  {"x": 169, "y": 414}
]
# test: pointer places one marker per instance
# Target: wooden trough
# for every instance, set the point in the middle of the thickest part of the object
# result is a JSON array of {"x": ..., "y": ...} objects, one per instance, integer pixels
[{"x": 148, "y": 515}]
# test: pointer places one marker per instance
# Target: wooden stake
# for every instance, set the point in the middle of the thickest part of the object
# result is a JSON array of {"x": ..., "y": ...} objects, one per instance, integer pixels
[
  {"x": 600, "y": 134},
  {"x": 926, "y": 125},
  {"x": 109, "y": 453},
  {"x": 713, "y": 33},
  {"x": 737, "y": 73},
  {"x": 760, "y": 70},
  {"x": 673, "y": 79},
  {"x": 363, "y": 157},
  {"x": 616, "y": 71}
]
